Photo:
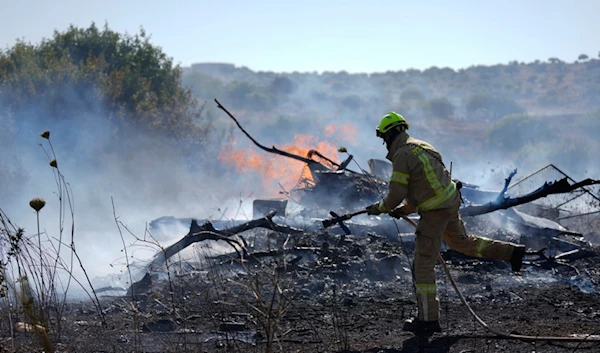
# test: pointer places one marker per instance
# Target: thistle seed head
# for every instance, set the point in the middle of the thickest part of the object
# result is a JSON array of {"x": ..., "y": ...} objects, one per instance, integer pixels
[{"x": 37, "y": 204}]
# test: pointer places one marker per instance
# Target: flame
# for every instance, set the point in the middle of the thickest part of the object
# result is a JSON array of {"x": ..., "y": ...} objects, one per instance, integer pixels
[
  {"x": 346, "y": 132},
  {"x": 275, "y": 169}
]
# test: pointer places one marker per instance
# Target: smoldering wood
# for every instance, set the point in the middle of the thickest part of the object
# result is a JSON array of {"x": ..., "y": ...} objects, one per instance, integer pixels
[
  {"x": 347, "y": 187},
  {"x": 207, "y": 231},
  {"x": 334, "y": 185},
  {"x": 557, "y": 187}
]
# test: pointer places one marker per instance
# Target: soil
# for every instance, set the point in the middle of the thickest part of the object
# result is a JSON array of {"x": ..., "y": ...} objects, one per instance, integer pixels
[{"x": 351, "y": 295}]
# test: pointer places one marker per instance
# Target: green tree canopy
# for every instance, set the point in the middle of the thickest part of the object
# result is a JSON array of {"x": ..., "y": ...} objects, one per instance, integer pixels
[{"x": 92, "y": 70}]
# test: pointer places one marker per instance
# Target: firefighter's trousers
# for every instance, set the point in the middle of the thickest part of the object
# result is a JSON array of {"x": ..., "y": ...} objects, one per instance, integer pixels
[{"x": 432, "y": 228}]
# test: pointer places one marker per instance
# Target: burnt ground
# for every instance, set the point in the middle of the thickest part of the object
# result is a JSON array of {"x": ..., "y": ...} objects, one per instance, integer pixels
[{"x": 349, "y": 294}]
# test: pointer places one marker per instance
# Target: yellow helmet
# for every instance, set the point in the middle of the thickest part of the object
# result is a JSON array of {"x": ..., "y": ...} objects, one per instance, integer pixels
[{"x": 390, "y": 121}]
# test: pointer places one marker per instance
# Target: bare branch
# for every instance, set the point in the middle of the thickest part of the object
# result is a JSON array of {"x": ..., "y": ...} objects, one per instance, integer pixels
[{"x": 557, "y": 187}]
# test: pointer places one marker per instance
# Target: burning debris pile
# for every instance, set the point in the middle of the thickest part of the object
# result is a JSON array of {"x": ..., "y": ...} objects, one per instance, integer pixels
[
  {"x": 377, "y": 245},
  {"x": 529, "y": 211},
  {"x": 324, "y": 184},
  {"x": 296, "y": 282}
]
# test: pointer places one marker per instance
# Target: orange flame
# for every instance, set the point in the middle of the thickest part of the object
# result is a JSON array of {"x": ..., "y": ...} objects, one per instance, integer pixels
[
  {"x": 346, "y": 132},
  {"x": 274, "y": 169}
]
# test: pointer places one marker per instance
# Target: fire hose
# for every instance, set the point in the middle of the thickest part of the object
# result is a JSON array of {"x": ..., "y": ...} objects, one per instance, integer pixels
[{"x": 589, "y": 338}]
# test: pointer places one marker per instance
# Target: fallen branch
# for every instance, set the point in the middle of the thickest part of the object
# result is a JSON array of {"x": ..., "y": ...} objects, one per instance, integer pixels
[
  {"x": 208, "y": 232},
  {"x": 557, "y": 187}
]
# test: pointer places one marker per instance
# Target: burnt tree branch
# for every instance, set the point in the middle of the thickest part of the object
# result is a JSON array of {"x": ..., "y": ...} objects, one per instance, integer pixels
[
  {"x": 501, "y": 196},
  {"x": 275, "y": 150},
  {"x": 208, "y": 232},
  {"x": 557, "y": 187}
]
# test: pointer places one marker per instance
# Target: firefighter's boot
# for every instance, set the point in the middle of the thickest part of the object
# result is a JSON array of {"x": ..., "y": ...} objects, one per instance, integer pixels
[
  {"x": 419, "y": 327},
  {"x": 516, "y": 259}
]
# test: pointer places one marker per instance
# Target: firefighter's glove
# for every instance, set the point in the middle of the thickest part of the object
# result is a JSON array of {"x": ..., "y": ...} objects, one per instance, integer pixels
[
  {"x": 374, "y": 209},
  {"x": 398, "y": 212}
]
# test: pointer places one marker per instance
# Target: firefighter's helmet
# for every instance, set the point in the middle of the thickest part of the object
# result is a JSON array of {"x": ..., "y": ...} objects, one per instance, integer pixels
[{"x": 389, "y": 122}]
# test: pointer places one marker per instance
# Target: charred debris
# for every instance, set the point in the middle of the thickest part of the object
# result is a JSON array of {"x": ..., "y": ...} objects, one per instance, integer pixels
[{"x": 556, "y": 217}]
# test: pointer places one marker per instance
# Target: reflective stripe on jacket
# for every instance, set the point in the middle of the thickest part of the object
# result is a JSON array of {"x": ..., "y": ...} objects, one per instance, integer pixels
[{"x": 419, "y": 176}]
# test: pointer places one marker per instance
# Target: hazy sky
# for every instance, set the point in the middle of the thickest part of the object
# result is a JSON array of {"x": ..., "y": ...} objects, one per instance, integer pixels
[{"x": 309, "y": 35}]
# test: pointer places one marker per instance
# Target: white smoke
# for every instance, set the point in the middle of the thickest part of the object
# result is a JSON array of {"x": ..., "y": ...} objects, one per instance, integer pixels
[{"x": 144, "y": 177}]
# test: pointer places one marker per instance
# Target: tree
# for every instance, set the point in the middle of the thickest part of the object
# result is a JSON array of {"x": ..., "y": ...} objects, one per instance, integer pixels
[
  {"x": 441, "y": 107},
  {"x": 554, "y": 60},
  {"x": 89, "y": 71},
  {"x": 582, "y": 57}
]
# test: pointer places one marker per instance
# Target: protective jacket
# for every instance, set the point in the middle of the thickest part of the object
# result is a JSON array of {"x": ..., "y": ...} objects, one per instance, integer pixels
[{"x": 419, "y": 176}]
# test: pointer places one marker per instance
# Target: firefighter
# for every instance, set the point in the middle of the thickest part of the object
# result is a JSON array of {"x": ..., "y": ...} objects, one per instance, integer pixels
[{"x": 420, "y": 178}]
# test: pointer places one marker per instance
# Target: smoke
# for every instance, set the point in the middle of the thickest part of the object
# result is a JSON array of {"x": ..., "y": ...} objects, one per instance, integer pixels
[
  {"x": 347, "y": 116},
  {"x": 106, "y": 163},
  {"x": 339, "y": 109},
  {"x": 147, "y": 176}
]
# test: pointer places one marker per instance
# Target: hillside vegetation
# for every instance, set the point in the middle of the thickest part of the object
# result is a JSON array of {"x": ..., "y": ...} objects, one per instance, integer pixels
[
  {"x": 524, "y": 115},
  {"x": 474, "y": 92},
  {"x": 92, "y": 73}
]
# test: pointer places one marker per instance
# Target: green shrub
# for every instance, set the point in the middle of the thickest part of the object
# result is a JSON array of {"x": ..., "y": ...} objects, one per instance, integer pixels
[{"x": 90, "y": 71}]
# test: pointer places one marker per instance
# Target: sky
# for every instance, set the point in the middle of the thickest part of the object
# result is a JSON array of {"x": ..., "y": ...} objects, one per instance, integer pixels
[
  {"x": 316, "y": 36},
  {"x": 262, "y": 35}
]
